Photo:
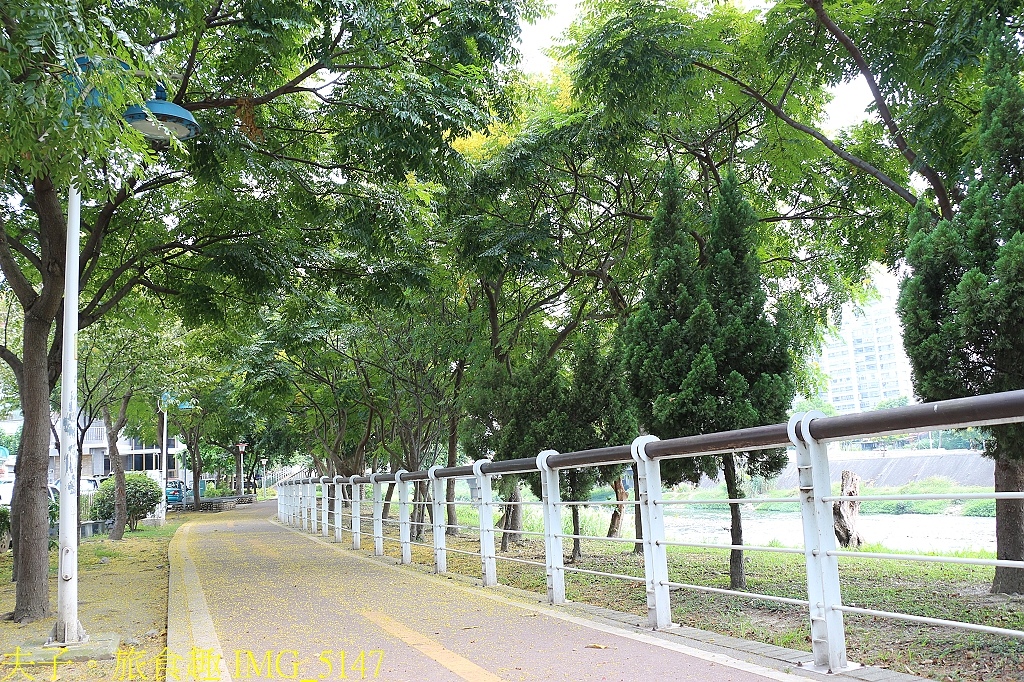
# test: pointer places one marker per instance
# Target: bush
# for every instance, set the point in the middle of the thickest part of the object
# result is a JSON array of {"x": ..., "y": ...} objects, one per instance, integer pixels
[
  {"x": 213, "y": 491},
  {"x": 980, "y": 508},
  {"x": 143, "y": 495}
]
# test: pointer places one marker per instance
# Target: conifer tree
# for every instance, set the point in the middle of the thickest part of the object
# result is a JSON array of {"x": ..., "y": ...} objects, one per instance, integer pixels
[
  {"x": 702, "y": 355},
  {"x": 963, "y": 305}
]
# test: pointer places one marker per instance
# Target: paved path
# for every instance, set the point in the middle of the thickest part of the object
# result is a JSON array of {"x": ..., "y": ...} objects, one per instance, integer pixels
[{"x": 253, "y": 600}]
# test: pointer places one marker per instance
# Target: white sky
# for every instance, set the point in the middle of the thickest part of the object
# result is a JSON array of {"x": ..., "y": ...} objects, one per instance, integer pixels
[{"x": 847, "y": 108}]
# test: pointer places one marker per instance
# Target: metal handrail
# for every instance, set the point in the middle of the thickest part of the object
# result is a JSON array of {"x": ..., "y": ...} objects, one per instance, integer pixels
[{"x": 807, "y": 433}]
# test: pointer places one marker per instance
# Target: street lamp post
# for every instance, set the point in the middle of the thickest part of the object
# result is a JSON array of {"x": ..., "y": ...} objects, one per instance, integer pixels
[
  {"x": 174, "y": 121},
  {"x": 264, "y": 479},
  {"x": 161, "y": 509},
  {"x": 240, "y": 470}
]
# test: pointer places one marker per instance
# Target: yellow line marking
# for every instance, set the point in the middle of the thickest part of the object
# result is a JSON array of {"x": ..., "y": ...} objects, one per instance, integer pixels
[{"x": 463, "y": 667}]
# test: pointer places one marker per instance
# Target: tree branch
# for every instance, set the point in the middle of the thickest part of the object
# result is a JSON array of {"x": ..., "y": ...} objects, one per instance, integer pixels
[{"x": 941, "y": 195}]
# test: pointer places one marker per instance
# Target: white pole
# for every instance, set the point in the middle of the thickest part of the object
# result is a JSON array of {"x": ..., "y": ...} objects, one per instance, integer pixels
[
  {"x": 161, "y": 509},
  {"x": 68, "y": 630}
]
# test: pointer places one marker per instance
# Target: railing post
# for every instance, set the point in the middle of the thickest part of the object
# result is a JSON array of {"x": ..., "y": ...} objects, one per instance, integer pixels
[
  {"x": 486, "y": 514},
  {"x": 403, "y": 516},
  {"x": 652, "y": 518},
  {"x": 437, "y": 511},
  {"x": 828, "y": 636},
  {"x": 339, "y": 507},
  {"x": 324, "y": 505},
  {"x": 313, "y": 510},
  {"x": 357, "y": 520},
  {"x": 554, "y": 566},
  {"x": 378, "y": 517}
]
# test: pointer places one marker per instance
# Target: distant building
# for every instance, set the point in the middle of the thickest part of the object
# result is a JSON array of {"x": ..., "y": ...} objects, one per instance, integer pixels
[
  {"x": 136, "y": 455},
  {"x": 864, "y": 361}
]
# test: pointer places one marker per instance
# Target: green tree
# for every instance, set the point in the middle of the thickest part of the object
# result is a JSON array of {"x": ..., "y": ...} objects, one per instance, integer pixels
[
  {"x": 312, "y": 113},
  {"x": 143, "y": 495},
  {"x": 963, "y": 305},
  {"x": 580, "y": 406},
  {"x": 702, "y": 353}
]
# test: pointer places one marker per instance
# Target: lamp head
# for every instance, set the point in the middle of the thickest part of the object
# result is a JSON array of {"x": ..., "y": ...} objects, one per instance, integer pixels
[{"x": 173, "y": 119}]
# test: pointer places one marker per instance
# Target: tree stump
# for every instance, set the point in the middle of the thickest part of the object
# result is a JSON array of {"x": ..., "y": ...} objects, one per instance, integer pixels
[{"x": 845, "y": 513}]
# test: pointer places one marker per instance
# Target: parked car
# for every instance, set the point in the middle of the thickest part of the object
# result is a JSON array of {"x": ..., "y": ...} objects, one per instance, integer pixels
[{"x": 176, "y": 491}]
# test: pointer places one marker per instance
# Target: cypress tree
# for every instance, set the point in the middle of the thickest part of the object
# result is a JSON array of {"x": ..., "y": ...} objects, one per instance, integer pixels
[
  {"x": 701, "y": 353},
  {"x": 963, "y": 305}
]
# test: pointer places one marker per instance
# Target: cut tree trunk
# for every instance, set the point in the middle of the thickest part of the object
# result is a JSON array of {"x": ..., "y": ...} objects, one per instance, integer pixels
[
  {"x": 737, "y": 574},
  {"x": 845, "y": 513},
  {"x": 615, "y": 525},
  {"x": 1009, "y": 526}
]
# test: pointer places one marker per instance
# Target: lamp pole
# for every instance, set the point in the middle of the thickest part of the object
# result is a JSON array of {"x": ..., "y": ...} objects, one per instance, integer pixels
[
  {"x": 159, "y": 121},
  {"x": 67, "y": 628},
  {"x": 161, "y": 510},
  {"x": 240, "y": 470},
  {"x": 264, "y": 463}
]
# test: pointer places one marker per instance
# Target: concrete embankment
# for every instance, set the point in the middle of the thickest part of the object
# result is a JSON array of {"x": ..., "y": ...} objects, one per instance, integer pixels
[{"x": 894, "y": 468}]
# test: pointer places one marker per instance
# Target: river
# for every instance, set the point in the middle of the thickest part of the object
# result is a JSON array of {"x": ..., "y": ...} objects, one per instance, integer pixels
[{"x": 910, "y": 532}]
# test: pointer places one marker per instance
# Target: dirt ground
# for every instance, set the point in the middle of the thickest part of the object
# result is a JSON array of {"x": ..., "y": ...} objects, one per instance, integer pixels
[{"x": 122, "y": 590}]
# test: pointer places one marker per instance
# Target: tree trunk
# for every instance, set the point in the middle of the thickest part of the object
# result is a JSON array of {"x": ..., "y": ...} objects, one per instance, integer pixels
[
  {"x": 120, "y": 490},
  {"x": 737, "y": 576},
  {"x": 239, "y": 490},
  {"x": 449, "y": 492},
  {"x": 844, "y": 514},
  {"x": 615, "y": 526},
  {"x": 387, "y": 500},
  {"x": 30, "y": 519},
  {"x": 1009, "y": 526},
  {"x": 577, "y": 549},
  {"x": 638, "y": 526},
  {"x": 197, "y": 467}
]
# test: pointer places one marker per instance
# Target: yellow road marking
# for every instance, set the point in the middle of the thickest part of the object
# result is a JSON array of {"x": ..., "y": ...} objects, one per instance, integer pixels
[{"x": 463, "y": 667}]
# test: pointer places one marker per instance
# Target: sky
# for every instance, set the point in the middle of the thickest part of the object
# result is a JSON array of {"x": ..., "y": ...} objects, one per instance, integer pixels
[{"x": 846, "y": 108}]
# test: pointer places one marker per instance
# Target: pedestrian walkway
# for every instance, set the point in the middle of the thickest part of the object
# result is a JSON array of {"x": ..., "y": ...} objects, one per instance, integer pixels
[{"x": 253, "y": 600}]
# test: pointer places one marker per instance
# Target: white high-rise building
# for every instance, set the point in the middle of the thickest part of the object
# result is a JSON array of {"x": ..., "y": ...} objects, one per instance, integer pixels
[{"x": 864, "y": 361}]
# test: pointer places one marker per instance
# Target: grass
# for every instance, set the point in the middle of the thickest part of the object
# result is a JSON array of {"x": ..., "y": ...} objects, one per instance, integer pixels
[
  {"x": 947, "y": 591},
  {"x": 122, "y": 589},
  {"x": 929, "y": 486}
]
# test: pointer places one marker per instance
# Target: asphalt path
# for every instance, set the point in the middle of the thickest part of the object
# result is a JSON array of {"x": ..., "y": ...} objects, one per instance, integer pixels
[{"x": 251, "y": 599}]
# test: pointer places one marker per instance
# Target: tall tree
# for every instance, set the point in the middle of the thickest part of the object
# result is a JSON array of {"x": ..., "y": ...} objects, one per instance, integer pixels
[
  {"x": 963, "y": 304},
  {"x": 309, "y": 109},
  {"x": 702, "y": 352}
]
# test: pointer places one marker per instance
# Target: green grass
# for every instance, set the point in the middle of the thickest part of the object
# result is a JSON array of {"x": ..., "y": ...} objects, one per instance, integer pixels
[{"x": 948, "y": 591}]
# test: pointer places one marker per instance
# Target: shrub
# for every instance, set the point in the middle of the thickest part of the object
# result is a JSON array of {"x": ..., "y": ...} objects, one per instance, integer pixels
[
  {"x": 980, "y": 508},
  {"x": 143, "y": 495}
]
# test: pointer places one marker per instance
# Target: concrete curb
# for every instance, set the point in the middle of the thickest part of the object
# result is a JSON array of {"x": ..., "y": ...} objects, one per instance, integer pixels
[
  {"x": 690, "y": 640},
  {"x": 190, "y": 630}
]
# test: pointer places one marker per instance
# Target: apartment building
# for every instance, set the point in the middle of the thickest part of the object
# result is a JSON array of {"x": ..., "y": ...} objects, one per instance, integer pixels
[{"x": 864, "y": 361}]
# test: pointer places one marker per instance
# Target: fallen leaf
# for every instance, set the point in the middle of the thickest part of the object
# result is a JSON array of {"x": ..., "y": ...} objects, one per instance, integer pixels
[{"x": 597, "y": 646}]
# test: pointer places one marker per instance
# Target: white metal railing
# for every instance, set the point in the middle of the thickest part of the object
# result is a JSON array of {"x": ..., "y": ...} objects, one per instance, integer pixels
[{"x": 299, "y": 505}]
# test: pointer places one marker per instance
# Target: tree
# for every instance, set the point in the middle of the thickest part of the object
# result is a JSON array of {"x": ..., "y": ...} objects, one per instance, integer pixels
[
  {"x": 963, "y": 304},
  {"x": 143, "y": 495},
  {"x": 309, "y": 113},
  {"x": 702, "y": 353},
  {"x": 561, "y": 404}
]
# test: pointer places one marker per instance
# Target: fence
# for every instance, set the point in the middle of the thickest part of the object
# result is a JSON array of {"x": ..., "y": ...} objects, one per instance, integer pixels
[{"x": 299, "y": 505}]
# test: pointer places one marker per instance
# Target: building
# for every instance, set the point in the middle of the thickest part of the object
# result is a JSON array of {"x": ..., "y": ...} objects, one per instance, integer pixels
[
  {"x": 864, "y": 361},
  {"x": 135, "y": 455}
]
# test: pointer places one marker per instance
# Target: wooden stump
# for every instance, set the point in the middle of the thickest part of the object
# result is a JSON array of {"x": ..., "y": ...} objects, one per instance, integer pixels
[{"x": 845, "y": 513}]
